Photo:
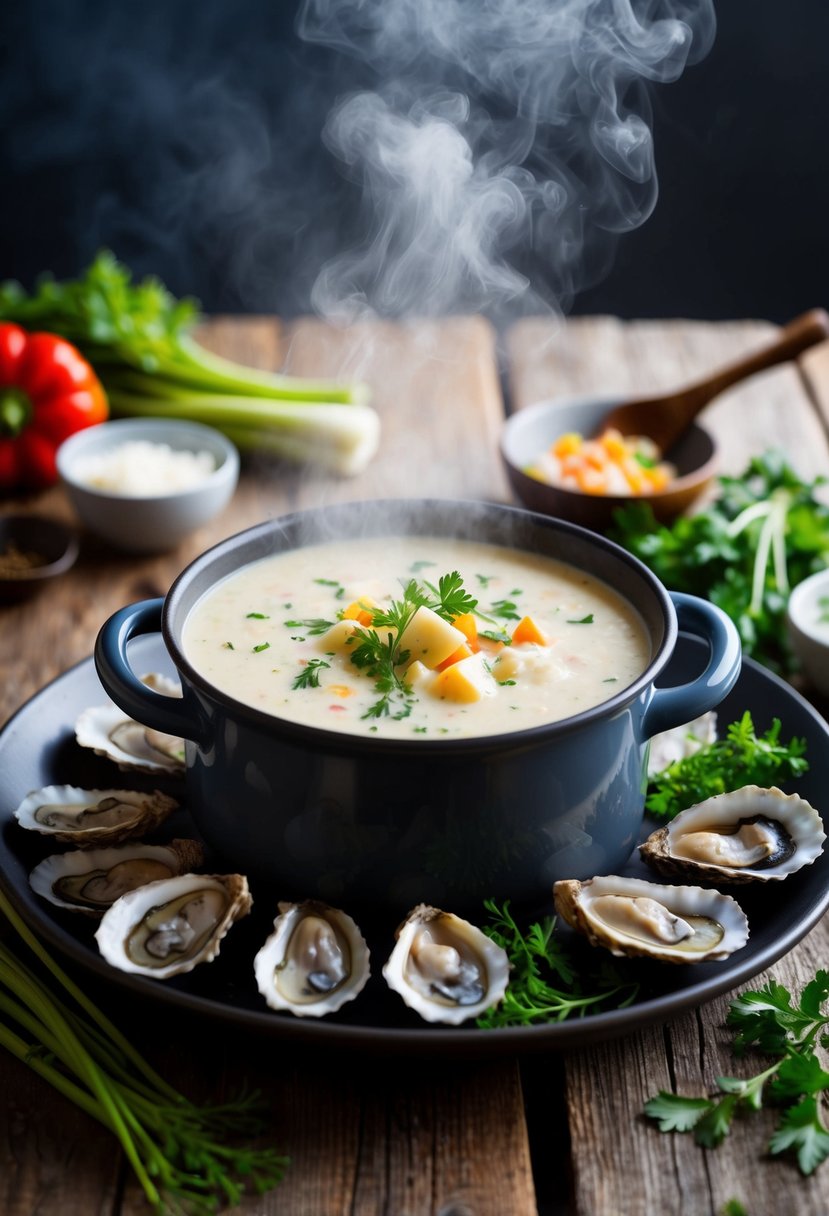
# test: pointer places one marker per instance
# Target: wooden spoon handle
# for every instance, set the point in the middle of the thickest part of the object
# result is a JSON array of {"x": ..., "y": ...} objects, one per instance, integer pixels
[{"x": 801, "y": 333}]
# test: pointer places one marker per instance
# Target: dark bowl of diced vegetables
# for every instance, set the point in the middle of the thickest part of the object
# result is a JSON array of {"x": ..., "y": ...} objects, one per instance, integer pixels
[{"x": 586, "y": 483}]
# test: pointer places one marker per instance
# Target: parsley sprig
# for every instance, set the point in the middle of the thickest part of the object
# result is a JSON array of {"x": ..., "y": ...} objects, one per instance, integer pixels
[
  {"x": 309, "y": 676},
  {"x": 544, "y": 984},
  {"x": 741, "y": 758},
  {"x": 375, "y": 649},
  {"x": 768, "y": 1020}
]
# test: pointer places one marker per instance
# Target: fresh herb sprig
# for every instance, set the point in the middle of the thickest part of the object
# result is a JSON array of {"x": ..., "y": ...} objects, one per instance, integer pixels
[
  {"x": 375, "y": 649},
  {"x": 309, "y": 676},
  {"x": 180, "y": 1152},
  {"x": 741, "y": 758},
  {"x": 768, "y": 1020},
  {"x": 544, "y": 984},
  {"x": 764, "y": 533}
]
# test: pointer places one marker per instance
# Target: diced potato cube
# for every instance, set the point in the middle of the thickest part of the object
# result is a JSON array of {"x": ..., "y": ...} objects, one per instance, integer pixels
[
  {"x": 429, "y": 638},
  {"x": 507, "y": 665},
  {"x": 466, "y": 681},
  {"x": 417, "y": 676}
]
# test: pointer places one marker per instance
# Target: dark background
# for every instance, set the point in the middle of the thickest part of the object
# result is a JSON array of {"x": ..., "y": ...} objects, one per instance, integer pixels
[{"x": 176, "y": 133}]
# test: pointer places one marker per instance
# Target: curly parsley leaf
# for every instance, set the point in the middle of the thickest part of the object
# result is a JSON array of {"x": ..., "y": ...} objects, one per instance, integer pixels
[
  {"x": 741, "y": 758},
  {"x": 544, "y": 984},
  {"x": 769, "y": 1020},
  {"x": 309, "y": 677}
]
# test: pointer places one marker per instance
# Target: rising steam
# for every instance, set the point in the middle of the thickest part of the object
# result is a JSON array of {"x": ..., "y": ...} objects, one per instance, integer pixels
[{"x": 501, "y": 135}]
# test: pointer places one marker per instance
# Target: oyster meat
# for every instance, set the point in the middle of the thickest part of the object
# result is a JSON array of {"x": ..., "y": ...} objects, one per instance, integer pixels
[
  {"x": 90, "y": 880},
  {"x": 315, "y": 960},
  {"x": 167, "y": 927},
  {"x": 90, "y": 817},
  {"x": 749, "y": 835},
  {"x": 108, "y": 731},
  {"x": 445, "y": 968},
  {"x": 629, "y": 916}
]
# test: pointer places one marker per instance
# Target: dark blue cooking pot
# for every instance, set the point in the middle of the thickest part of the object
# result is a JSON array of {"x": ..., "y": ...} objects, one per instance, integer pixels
[{"x": 392, "y": 822}]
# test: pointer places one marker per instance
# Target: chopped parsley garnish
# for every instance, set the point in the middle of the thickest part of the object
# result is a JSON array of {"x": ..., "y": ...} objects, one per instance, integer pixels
[
  {"x": 484, "y": 580},
  {"x": 257, "y": 616},
  {"x": 585, "y": 620},
  {"x": 228, "y": 646},
  {"x": 506, "y": 609},
  {"x": 496, "y": 635},
  {"x": 416, "y": 567},
  {"x": 332, "y": 582},
  {"x": 309, "y": 677},
  {"x": 261, "y": 646},
  {"x": 315, "y": 625}
]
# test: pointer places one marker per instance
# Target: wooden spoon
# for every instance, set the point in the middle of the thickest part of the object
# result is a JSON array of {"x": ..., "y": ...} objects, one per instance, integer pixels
[{"x": 665, "y": 418}]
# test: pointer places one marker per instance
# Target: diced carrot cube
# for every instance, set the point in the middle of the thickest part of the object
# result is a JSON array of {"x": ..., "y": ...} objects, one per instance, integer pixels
[
  {"x": 360, "y": 611},
  {"x": 614, "y": 444},
  {"x": 567, "y": 444},
  {"x": 468, "y": 626},
  {"x": 339, "y": 690},
  {"x": 591, "y": 482},
  {"x": 463, "y": 652},
  {"x": 527, "y": 631}
]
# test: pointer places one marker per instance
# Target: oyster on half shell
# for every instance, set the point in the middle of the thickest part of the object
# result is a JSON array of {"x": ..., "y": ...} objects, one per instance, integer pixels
[
  {"x": 89, "y": 880},
  {"x": 629, "y": 916},
  {"x": 167, "y": 927},
  {"x": 445, "y": 968},
  {"x": 315, "y": 960},
  {"x": 749, "y": 835},
  {"x": 109, "y": 732},
  {"x": 91, "y": 817}
]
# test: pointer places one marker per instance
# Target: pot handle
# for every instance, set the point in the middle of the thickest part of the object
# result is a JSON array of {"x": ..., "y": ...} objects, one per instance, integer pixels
[
  {"x": 670, "y": 707},
  {"x": 147, "y": 706}
]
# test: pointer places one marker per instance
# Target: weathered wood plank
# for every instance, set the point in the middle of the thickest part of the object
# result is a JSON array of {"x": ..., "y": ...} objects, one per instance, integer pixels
[
  {"x": 621, "y": 1163},
  {"x": 427, "y": 1140}
]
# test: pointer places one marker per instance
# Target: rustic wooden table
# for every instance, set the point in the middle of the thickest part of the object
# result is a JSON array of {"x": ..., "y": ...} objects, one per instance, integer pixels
[{"x": 489, "y": 1137}]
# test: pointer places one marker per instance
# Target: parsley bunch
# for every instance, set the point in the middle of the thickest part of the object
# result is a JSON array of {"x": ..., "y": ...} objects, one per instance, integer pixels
[
  {"x": 544, "y": 985},
  {"x": 765, "y": 532},
  {"x": 768, "y": 1020},
  {"x": 741, "y": 758}
]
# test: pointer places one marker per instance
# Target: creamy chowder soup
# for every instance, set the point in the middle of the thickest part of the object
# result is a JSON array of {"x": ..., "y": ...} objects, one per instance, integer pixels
[{"x": 410, "y": 636}]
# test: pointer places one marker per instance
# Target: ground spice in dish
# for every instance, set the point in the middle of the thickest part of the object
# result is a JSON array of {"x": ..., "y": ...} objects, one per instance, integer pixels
[{"x": 17, "y": 563}]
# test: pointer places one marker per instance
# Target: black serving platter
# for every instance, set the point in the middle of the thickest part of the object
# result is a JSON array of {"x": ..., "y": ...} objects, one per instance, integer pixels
[{"x": 38, "y": 748}]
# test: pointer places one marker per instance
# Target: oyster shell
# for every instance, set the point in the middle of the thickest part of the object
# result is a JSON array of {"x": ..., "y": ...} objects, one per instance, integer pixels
[
  {"x": 749, "y": 835},
  {"x": 109, "y": 732},
  {"x": 629, "y": 916},
  {"x": 90, "y": 817},
  {"x": 91, "y": 879},
  {"x": 165, "y": 928},
  {"x": 315, "y": 960},
  {"x": 445, "y": 968}
]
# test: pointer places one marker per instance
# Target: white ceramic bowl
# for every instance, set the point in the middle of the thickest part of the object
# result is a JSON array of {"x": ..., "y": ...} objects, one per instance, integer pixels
[
  {"x": 808, "y": 624},
  {"x": 155, "y": 521}
]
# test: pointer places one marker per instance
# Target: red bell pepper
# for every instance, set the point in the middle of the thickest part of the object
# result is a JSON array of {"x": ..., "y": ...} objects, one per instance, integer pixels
[{"x": 47, "y": 392}]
